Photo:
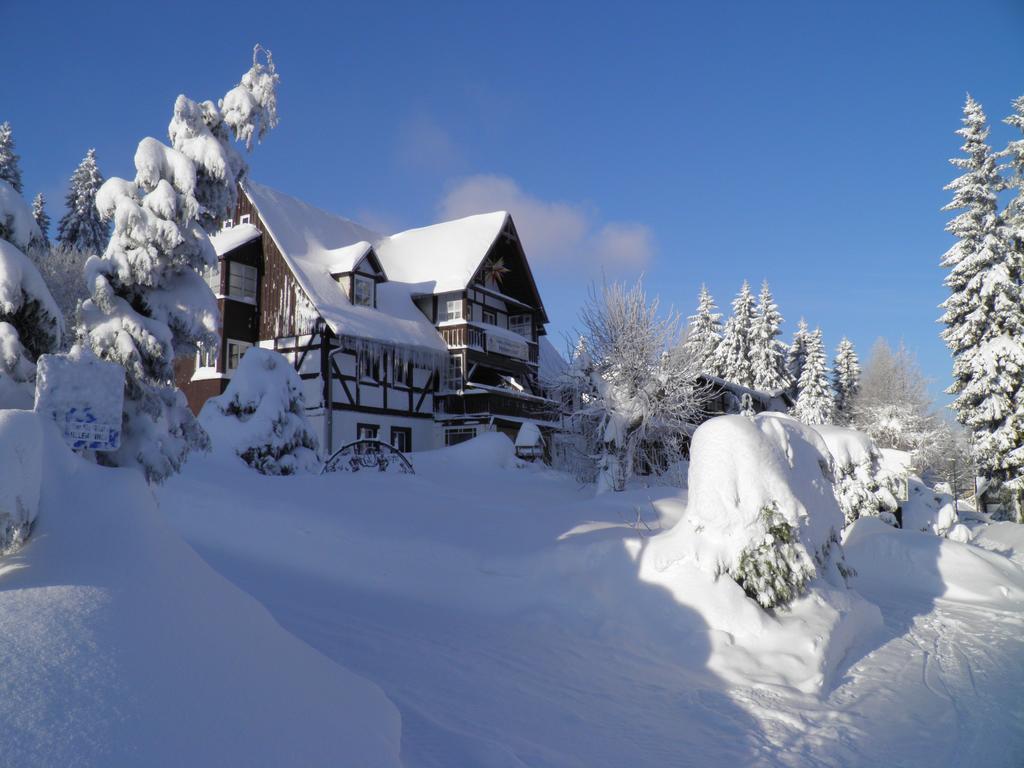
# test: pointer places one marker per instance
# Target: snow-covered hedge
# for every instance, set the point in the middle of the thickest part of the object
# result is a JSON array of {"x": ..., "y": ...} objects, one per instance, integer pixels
[
  {"x": 21, "y": 456},
  {"x": 761, "y": 506},
  {"x": 261, "y": 416},
  {"x": 863, "y": 485}
]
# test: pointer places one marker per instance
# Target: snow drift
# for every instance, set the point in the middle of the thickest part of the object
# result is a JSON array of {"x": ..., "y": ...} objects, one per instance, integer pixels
[{"x": 119, "y": 646}]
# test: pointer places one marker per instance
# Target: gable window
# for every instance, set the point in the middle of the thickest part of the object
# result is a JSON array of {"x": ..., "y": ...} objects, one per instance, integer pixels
[
  {"x": 490, "y": 317},
  {"x": 521, "y": 324},
  {"x": 241, "y": 281},
  {"x": 245, "y": 219},
  {"x": 227, "y": 224},
  {"x": 235, "y": 351},
  {"x": 362, "y": 292},
  {"x": 453, "y": 309}
]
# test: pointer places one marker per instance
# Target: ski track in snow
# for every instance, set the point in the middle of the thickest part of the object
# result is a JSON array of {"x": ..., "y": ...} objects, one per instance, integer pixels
[{"x": 485, "y": 678}]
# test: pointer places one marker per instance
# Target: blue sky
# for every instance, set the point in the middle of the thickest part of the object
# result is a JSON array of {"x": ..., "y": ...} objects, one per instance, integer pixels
[{"x": 802, "y": 142}]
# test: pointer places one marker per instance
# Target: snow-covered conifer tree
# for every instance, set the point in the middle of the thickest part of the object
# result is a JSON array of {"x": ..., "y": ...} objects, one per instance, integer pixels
[
  {"x": 845, "y": 379},
  {"x": 767, "y": 356},
  {"x": 42, "y": 218},
  {"x": 10, "y": 169},
  {"x": 796, "y": 355},
  {"x": 30, "y": 322},
  {"x": 983, "y": 315},
  {"x": 148, "y": 300},
  {"x": 81, "y": 228},
  {"x": 732, "y": 358},
  {"x": 704, "y": 333},
  {"x": 814, "y": 405}
]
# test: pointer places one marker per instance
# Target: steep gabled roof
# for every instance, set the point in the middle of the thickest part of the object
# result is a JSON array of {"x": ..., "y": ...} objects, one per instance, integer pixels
[{"x": 442, "y": 257}]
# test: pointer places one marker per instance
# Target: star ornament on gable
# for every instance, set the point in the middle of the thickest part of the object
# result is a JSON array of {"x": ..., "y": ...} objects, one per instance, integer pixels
[{"x": 494, "y": 271}]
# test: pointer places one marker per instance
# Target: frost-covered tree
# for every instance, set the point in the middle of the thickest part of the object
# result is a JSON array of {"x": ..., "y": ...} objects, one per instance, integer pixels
[
  {"x": 767, "y": 354},
  {"x": 732, "y": 358},
  {"x": 81, "y": 228},
  {"x": 845, "y": 379},
  {"x": 63, "y": 270},
  {"x": 704, "y": 332},
  {"x": 42, "y": 218},
  {"x": 261, "y": 416},
  {"x": 892, "y": 405},
  {"x": 796, "y": 355},
  {"x": 10, "y": 168},
  {"x": 635, "y": 384},
  {"x": 814, "y": 405},
  {"x": 148, "y": 299},
  {"x": 30, "y": 322},
  {"x": 982, "y": 314}
]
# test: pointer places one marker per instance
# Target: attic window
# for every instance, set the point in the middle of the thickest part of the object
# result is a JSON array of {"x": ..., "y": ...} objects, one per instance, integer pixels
[
  {"x": 246, "y": 219},
  {"x": 227, "y": 224},
  {"x": 362, "y": 292}
]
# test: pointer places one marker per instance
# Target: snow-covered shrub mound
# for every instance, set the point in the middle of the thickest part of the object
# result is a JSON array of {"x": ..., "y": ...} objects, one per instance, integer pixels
[
  {"x": 486, "y": 451},
  {"x": 20, "y": 467},
  {"x": 863, "y": 486},
  {"x": 261, "y": 416},
  {"x": 926, "y": 509},
  {"x": 761, "y": 528},
  {"x": 761, "y": 501}
]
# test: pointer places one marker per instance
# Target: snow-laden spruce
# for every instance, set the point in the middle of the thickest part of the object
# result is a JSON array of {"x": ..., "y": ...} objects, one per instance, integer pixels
[
  {"x": 633, "y": 385},
  {"x": 732, "y": 358},
  {"x": 704, "y": 332},
  {"x": 863, "y": 486},
  {"x": 982, "y": 314},
  {"x": 42, "y": 219},
  {"x": 767, "y": 353},
  {"x": 261, "y": 416},
  {"x": 81, "y": 228},
  {"x": 796, "y": 356},
  {"x": 845, "y": 380},
  {"x": 814, "y": 404},
  {"x": 10, "y": 167},
  {"x": 30, "y": 321},
  {"x": 148, "y": 300}
]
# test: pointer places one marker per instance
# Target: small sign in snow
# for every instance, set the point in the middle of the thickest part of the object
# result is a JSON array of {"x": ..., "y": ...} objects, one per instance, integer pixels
[{"x": 85, "y": 396}]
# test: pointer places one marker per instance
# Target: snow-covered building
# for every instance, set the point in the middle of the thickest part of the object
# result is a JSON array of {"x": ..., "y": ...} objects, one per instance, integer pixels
[{"x": 422, "y": 338}]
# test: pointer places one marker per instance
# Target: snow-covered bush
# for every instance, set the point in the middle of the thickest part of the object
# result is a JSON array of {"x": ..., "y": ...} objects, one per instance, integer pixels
[
  {"x": 148, "y": 300},
  {"x": 262, "y": 418},
  {"x": 761, "y": 507},
  {"x": 863, "y": 485},
  {"x": 21, "y": 456}
]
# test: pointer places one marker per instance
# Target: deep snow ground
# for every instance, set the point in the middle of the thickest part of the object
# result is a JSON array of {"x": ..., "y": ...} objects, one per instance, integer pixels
[{"x": 499, "y": 610}]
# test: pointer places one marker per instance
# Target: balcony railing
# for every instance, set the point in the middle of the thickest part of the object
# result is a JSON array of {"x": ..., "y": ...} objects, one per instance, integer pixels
[
  {"x": 494, "y": 404},
  {"x": 476, "y": 338}
]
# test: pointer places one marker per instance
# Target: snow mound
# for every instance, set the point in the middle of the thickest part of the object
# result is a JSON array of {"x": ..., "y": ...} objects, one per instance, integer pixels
[
  {"x": 487, "y": 451},
  {"x": 1005, "y": 538},
  {"x": 119, "y": 646},
  {"x": 261, "y": 416},
  {"x": 740, "y": 466},
  {"x": 863, "y": 486},
  {"x": 21, "y": 445},
  {"x": 928, "y": 510}
]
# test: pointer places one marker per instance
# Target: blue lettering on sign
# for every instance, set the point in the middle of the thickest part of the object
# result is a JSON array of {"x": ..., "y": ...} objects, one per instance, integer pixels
[{"x": 82, "y": 430}]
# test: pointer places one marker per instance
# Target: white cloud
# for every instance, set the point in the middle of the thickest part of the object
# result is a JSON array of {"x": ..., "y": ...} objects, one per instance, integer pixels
[
  {"x": 555, "y": 234},
  {"x": 424, "y": 143}
]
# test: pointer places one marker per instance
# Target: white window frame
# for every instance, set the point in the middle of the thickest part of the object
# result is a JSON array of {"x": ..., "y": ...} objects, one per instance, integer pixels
[
  {"x": 243, "y": 281},
  {"x": 453, "y": 309},
  {"x": 206, "y": 358},
  {"x": 467, "y": 433},
  {"x": 212, "y": 277},
  {"x": 454, "y": 373},
  {"x": 485, "y": 313},
  {"x": 519, "y": 324},
  {"x": 227, "y": 224},
  {"x": 235, "y": 350},
  {"x": 370, "y": 300},
  {"x": 245, "y": 219}
]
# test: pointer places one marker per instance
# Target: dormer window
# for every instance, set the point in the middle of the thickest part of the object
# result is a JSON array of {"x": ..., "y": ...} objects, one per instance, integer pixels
[{"x": 363, "y": 292}]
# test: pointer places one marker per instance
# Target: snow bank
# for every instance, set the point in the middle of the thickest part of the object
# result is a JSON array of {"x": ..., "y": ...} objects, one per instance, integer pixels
[
  {"x": 487, "y": 451},
  {"x": 261, "y": 416},
  {"x": 1005, "y": 538},
  {"x": 119, "y": 646},
  {"x": 740, "y": 466},
  {"x": 20, "y": 472}
]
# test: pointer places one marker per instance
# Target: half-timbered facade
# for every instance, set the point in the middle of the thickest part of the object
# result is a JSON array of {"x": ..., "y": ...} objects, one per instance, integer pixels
[{"x": 421, "y": 339}]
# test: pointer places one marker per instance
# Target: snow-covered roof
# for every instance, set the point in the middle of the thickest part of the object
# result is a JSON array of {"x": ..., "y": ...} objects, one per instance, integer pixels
[
  {"x": 442, "y": 257},
  {"x": 315, "y": 243},
  {"x": 551, "y": 364},
  {"x": 229, "y": 239}
]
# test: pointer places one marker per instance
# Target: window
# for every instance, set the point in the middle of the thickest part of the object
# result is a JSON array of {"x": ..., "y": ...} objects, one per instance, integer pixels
[
  {"x": 212, "y": 277},
  {"x": 241, "y": 281},
  {"x": 235, "y": 351},
  {"x": 453, "y": 373},
  {"x": 367, "y": 431},
  {"x": 227, "y": 224},
  {"x": 521, "y": 324},
  {"x": 368, "y": 367},
  {"x": 399, "y": 370},
  {"x": 246, "y": 219},
  {"x": 206, "y": 357},
  {"x": 456, "y": 435},
  {"x": 401, "y": 439},
  {"x": 362, "y": 293},
  {"x": 490, "y": 317},
  {"x": 453, "y": 309}
]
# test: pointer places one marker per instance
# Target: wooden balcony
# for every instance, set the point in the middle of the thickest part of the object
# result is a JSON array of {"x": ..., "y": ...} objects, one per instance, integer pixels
[{"x": 486, "y": 404}]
